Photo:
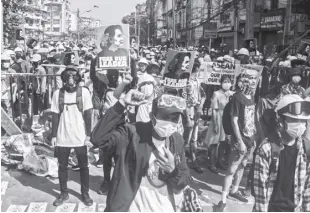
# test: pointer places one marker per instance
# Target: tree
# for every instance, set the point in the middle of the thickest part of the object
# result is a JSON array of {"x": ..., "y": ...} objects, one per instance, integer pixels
[{"x": 13, "y": 11}]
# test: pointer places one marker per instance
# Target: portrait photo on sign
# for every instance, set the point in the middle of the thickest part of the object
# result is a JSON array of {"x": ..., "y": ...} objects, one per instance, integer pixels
[
  {"x": 113, "y": 41},
  {"x": 303, "y": 51},
  {"x": 179, "y": 66}
]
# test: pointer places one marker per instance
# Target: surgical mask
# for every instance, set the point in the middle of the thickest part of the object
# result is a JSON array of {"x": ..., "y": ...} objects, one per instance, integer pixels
[
  {"x": 295, "y": 130},
  {"x": 164, "y": 128},
  {"x": 296, "y": 79},
  {"x": 6, "y": 65},
  {"x": 226, "y": 86},
  {"x": 147, "y": 90}
]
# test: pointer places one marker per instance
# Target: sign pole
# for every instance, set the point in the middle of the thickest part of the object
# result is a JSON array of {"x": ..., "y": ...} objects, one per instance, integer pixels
[{"x": 210, "y": 41}]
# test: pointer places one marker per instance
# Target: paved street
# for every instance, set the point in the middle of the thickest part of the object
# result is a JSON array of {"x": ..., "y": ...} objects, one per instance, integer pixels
[{"x": 25, "y": 189}]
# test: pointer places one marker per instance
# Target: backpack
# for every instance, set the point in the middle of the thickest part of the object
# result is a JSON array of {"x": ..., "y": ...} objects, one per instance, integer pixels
[
  {"x": 226, "y": 119},
  {"x": 79, "y": 99}
]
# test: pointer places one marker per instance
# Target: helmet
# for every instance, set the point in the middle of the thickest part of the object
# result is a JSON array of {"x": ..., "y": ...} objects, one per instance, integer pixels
[
  {"x": 5, "y": 57},
  {"x": 294, "y": 106},
  {"x": 144, "y": 61},
  {"x": 18, "y": 49},
  {"x": 36, "y": 58},
  {"x": 243, "y": 51}
]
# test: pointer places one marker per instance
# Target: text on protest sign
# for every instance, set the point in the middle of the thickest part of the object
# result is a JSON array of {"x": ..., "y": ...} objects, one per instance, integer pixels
[
  {"x": 214, "y": 72},
  {"x": 113, "y": 62}
]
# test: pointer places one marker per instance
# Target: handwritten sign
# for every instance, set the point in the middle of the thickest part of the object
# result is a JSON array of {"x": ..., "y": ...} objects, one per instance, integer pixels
[{"x": 214, "y": 72}]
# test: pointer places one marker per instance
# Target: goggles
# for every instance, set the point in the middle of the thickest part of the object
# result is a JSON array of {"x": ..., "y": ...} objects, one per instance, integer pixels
[
  {"x": 167, "y": 101},
  {"x": 297, "y": 108}
]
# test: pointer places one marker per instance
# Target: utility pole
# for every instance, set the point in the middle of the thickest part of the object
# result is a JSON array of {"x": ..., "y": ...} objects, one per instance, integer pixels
[
  {"x": 236, "y": 24},
  {"x": 287, "y": 23},
  {"x": 173, "y": 25},
  {"x": 139, "y": 32},
  {"x": 78, "y": 24},
  {"x": 148, "y": 33},
  {"x": 136, "y": 20},
  {"x": 249, "y": 22}
]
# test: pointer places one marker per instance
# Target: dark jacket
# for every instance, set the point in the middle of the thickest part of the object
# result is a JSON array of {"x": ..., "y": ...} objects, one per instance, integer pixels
[{"x": 131, "y": 145}]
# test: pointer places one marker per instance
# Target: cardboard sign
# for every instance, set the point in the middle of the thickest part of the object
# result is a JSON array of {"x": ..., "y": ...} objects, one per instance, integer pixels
[
  {"x": 114, "y": 43},
  {"x": 244, "y": 67},
  {"x": 215, "y": 70},
  {"x": 303, "y": 51},
  {"x": 178, "y": 68},
  {"x": 8, "y": 124}
]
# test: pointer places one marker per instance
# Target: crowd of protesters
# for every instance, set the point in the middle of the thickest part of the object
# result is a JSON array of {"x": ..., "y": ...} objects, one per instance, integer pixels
[{"x": 126, "y": 116}]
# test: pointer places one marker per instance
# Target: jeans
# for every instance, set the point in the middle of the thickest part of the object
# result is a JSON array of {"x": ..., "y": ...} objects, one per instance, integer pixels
[
  {"x": 63, "y": 156},
  {"x": 106, "y": 159}
]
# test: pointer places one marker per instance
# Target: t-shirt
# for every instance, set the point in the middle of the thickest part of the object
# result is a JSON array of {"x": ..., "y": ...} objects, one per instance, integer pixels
[
  {"x": 152, "y": 195},
  {"x": 244, "y": 109},
  {"x": 71, "y": 129},
  {"x": 282, "y": 198}
]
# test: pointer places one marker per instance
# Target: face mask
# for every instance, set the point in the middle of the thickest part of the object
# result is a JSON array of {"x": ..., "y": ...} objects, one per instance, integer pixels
[
  {"x": 226, "y": 86},
  {"x": 147, "y": 90},
  {"x": 295, "y": 130},
  {"x": 296, "y": 79},
  {"x": 6, "y": 65},
  {"x": 164, "y": 128}
]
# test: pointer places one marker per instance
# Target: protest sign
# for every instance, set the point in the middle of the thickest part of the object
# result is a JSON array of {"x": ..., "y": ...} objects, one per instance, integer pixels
[
  {"x": 243, "y": 67},
  {"x": 178, "y": 68},
  {"x": 114, "y": 43},
  {"x": 215, "y": 70},
  {"x": 303, "y": 51}
]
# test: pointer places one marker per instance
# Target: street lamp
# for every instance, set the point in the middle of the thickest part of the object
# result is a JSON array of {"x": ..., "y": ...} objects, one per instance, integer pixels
[{"x": 78, "y": 19}]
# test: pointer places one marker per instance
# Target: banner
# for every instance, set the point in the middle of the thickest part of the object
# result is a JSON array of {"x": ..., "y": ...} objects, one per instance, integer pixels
[
  {"x": 213, "y": 72},
  {"x": 114, "y": 43},
  {"x": 178, "y": 68}
]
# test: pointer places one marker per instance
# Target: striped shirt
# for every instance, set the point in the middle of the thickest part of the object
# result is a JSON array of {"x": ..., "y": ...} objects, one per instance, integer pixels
[{"x": 265, "y": 177}]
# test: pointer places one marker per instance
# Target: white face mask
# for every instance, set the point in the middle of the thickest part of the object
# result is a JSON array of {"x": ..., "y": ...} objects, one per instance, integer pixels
[
  {"x": 164, "y": 128},
  {"x": 147, "y": 90},
  {"x": 226, "y": 86},
  {"x": 295, "y": 130},
  {"x": 6, "y": 65}
]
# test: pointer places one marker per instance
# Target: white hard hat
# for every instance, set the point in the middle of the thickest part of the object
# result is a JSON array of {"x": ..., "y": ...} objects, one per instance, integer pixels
[
  {"x": 243, "y": 51},
  {"x": 51, "y": 48},
  {"x": 36, "y": 47},
  {"x": 18, "y": 49},
  {"x": 220, "y": 58},
  {"x": 207, "y": 58},
  {"x": 5, "y": 56},
  {"x": 227, "y": 58},
  {"x": 143, "y": 61},
  {"x": 61, "y": 47},
  {"x": 294, "y": 106},
  {"x": 36, "y": 58},
  {"x": 146, "y": 78}
]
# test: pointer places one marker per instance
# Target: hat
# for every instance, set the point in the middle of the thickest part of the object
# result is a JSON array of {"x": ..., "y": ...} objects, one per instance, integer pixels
[
  {"x": 71, "y": 68},
  {"x": 18, "y": 49},
  {"x": 36, "y": 58},
  {"x": 143, "y": 61},
  {"x": 84, "y": 49},
  {"x": 75, "y": 48},
  {"x": 294, "y": 71},
  {"x": 36, "y": 47},
  {"x": 5, "y": 57},
  {"x": 285, "y": 109},
  {"x": 146, "y": 78},
  {"x": 61, "y": 47},
  {"x": 168, "y": 104},
  {"x": 10, "y": 52},
  {"x": 243, "y": 51},
  {"x": 220, "y": 58},
  {"x": 227, "y": 58},
  {"x": 212, "y": 50},
  {"x": 51, "y": 49}
]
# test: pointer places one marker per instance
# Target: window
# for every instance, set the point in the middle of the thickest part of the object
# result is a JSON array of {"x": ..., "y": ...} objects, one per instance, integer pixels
[
  {"x": 56, "y": 29},
  {"x": 48, "y": 29},
  {"x": 56, "y": 21},
  {"x": 282, "y": 3}
]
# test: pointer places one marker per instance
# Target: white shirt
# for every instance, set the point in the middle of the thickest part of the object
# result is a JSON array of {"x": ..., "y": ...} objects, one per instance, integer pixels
[{"x": 71, "y": 128}]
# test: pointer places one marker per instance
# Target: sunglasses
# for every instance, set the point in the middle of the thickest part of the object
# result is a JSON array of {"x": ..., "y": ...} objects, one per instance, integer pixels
[
  {"x": 171, "y": 101},
  {"x": 297, "y": 108}
]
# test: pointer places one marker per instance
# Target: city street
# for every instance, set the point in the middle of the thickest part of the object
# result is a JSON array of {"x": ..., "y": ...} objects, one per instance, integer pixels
[{"x": 24, "y": 189}]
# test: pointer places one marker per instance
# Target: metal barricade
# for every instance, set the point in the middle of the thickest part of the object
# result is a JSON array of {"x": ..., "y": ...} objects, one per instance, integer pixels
[{"x": 29, "y": 97}]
